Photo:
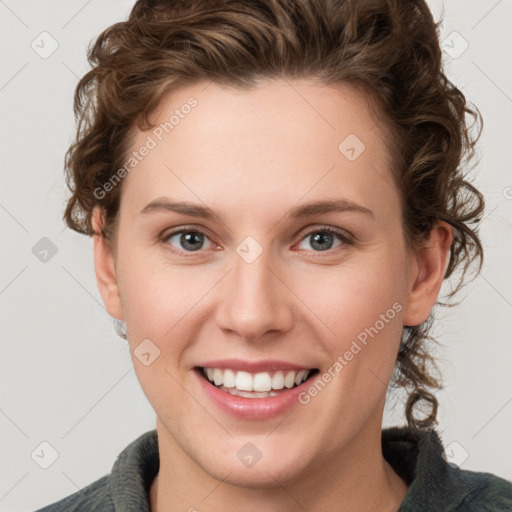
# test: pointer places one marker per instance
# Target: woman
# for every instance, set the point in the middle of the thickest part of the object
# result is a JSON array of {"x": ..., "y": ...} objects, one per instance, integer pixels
[{"x": 276, "y": 193}]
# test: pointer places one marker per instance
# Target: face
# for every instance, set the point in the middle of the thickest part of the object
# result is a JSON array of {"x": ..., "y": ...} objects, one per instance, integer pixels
[{"x": 264, "y": 278}]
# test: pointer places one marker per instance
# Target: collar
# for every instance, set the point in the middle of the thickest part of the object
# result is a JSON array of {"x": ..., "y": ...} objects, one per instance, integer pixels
[{"x": 415, "y": 455}]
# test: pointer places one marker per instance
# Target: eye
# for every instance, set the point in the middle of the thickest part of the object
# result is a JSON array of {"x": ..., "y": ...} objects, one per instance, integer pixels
[
  {"x": 190, "y": 240},
  {"x": 187, "y": 240},
  {"x": 322, "y": 239}
]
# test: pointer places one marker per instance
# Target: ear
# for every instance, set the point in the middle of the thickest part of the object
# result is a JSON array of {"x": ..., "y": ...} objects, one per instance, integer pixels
[
  {"x": 104, "y": 267},
  {"x": 429, "y": 264}
]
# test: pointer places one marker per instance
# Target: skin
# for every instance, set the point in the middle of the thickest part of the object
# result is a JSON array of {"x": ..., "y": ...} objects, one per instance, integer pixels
[{"x": 253, "y": 155}]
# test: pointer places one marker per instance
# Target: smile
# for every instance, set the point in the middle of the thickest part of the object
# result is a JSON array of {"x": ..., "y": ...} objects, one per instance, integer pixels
[
  {"x": 252, "y": 393},
  {"x": 255, "y": 385}
]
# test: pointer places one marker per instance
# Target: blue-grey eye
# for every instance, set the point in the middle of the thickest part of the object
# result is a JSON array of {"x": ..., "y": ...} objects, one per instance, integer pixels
[
  {"x": 323, "y": 239},
  {"x": 189, "y": 241}
]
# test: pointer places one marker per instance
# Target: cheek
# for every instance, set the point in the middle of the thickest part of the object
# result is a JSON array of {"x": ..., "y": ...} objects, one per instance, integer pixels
[
  {"x": 159, "y": 298},
  {"x": 158, "y": 304},
  {"x": 352, "y": 297}
]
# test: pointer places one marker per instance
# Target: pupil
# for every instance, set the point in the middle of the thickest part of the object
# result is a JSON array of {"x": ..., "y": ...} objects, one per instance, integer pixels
[
  {"x": 188, "y": 239},
  {"x": 321, "y": 238}
]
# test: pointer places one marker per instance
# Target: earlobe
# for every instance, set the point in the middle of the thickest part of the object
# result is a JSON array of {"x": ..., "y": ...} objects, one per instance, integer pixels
[
  {"x": 104, "y": 267},
  {"x": 430, "y": 264}
]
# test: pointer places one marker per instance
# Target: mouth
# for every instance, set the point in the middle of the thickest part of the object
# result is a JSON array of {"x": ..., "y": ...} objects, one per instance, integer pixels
[{"x": 255, "y": 385}]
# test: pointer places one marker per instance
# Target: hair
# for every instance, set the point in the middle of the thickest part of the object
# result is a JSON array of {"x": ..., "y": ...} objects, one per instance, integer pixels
[{"x": 387, "y": 48}]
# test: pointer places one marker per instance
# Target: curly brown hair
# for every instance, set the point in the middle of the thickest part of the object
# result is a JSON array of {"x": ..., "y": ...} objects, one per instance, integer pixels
[{"x": 388, "y": 48}]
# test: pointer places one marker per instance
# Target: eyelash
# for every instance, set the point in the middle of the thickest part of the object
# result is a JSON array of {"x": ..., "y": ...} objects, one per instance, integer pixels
[{"x": 343, "y": 236}]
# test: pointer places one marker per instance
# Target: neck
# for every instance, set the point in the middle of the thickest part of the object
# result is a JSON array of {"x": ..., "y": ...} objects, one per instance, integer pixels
[{"x": 356, "y": 478}]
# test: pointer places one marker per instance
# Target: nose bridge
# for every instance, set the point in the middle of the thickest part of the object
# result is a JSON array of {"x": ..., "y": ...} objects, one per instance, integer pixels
[{"x": 255, "y": 302}]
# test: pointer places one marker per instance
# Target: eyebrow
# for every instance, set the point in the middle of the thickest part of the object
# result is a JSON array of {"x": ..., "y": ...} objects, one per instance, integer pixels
[{"x": 163, "y": 204}]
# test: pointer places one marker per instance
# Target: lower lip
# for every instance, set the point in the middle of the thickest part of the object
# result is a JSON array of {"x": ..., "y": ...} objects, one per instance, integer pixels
[{"x": 253, "y": 408}]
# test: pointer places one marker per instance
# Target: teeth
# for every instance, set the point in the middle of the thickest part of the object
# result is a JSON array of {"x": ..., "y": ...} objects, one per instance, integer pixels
[
  {"x": 299, "y": 377},
  {"x": 289, "y": 380},
  {"x": 249, "y": 394},
  {"x": 278, "y": 380},
  {"x": 217, "y": 377},
  {"x": 243, "y": 381},
  {"x": 229, "y": 379},
  {"x": 261, "y": 382}
]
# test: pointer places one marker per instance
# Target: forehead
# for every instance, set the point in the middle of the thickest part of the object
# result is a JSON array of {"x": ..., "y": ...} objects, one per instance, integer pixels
[{"x": 272, "y": 144}]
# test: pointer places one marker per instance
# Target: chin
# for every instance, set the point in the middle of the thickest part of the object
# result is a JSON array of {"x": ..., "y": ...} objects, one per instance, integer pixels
[{"x": 250, "y": 467}]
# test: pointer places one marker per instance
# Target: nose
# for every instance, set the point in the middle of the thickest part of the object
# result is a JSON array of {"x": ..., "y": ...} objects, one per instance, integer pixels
[{"x": 255, "y": 302}]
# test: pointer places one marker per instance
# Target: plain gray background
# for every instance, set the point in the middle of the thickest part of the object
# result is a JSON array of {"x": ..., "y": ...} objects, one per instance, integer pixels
[{"x": 67, "y": 379}]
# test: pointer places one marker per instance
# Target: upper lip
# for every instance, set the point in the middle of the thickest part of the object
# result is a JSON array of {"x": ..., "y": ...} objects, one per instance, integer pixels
[{"x": 253, "y": 366}]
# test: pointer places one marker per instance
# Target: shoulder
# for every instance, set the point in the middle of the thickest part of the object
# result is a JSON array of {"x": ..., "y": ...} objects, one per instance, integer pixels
[
  {"x": 126, "y": 487},
  {"x": 95, "y": 496},
  {"x": 485, "y": 492},
  {"x": 419, "y": 458}
]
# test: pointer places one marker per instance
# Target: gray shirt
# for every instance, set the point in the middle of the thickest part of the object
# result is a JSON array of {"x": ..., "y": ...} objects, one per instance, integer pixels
[{"x": 417, "y": 456}]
